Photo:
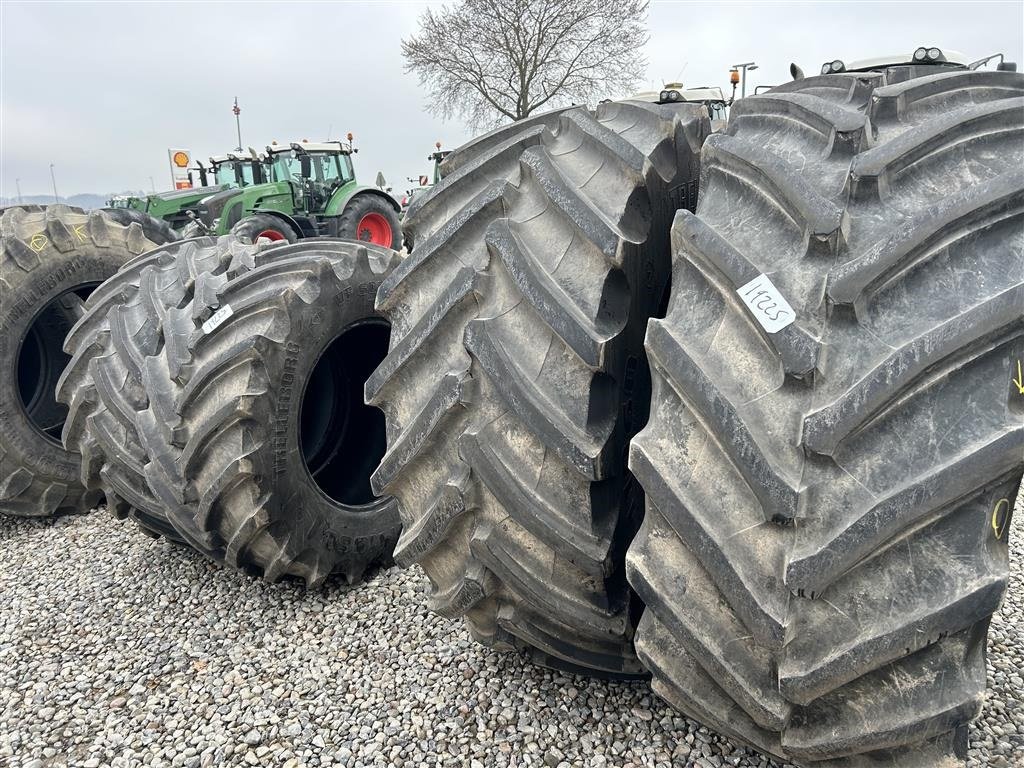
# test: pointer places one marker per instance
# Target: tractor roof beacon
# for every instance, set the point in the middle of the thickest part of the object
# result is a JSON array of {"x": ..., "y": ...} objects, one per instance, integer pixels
[{"x": 312, "y": 191}]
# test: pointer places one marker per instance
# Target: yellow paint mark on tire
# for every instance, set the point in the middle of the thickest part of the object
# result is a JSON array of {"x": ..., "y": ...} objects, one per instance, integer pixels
[
  {"x": 999, "y": 520},
  {"x": 79, "y": 233},
  {"x": 1019, "y": 381},
  {"x": 38, "y": 242}
]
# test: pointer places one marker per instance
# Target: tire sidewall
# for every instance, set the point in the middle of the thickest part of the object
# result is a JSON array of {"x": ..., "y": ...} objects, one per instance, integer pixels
[
  {"x": 56, "y": 274},
  {"x": 357, "y": 532}
]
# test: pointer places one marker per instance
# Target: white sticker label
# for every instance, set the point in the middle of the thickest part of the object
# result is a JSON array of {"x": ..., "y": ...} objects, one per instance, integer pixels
[
  {"x": 217, "y": 319},
  {"x": 766, "y": 304}
]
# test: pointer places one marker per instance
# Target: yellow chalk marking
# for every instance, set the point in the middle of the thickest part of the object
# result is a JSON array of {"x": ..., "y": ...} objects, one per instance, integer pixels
[
  {"x": 1019, "y": 381},
  {"x": 999, "y": 526},
  {"x": 79, "y": 233},
  {"x": 38, "y": 242}
]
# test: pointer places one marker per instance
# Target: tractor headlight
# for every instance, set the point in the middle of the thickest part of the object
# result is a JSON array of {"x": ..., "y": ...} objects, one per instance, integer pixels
[
  {"x": 674, "y": 95},
  {"x": 838, "y": 66},
  {"x": 920, "y": 54},
  {"x": 663, "y": 96},
  {"x": 833, "y": 67},
  {"x": 934, "y": 54},
  {"x": 826, "y": 68}
]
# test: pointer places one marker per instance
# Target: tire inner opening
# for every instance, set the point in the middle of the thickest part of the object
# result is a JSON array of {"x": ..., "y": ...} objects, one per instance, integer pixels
[
  {"x": 41, "y": 361},
  {"x": 342, "y": 439}
]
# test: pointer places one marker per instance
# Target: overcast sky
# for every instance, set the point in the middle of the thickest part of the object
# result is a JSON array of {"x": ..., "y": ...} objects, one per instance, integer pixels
[{"x": 103, "y": 89}]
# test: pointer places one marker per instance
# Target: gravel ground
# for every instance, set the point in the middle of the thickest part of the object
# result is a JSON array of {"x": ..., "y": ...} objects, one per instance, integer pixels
[{"x": 116, "y": 650}]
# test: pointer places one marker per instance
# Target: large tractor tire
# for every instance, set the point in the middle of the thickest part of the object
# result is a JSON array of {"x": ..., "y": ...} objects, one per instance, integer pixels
[
  {"x": 210, "y": 456},
  {"x": 516, "y": 373},
  {"x": 257, "y": 436},
  {"x": 837, "y": 423},
  {"x": 370, "y": 218},
  {"x": 50, "y": 260},
  {"x": 156, "y": 230},
  {"x": 265, "y": 225},
  {"x": 103, "y": 385}
]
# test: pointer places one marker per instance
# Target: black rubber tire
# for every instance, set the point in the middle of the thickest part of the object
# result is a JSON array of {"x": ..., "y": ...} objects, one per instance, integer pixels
[
  {"x": 156, "y": 230},
  {"x": 191, "y": 230},
  {"x": 362, "y": 204},
  {"x": 249, "y": 228},
  {"x": 516, "y": 375},
  {"x": 48, "y": 254},
  {"x": 827, "y": 504},
  {"x": 103, "y": 383},
  {"x": 225, "y": 418}
]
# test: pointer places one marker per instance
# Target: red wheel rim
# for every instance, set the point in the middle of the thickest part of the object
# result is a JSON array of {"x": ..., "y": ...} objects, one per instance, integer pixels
[
  {"x": 271, "y": 234},
  {"x": 374, "y": 228}
]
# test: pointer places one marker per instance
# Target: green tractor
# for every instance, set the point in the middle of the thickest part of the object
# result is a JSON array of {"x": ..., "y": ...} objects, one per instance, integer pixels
[
  {"x": 174, "y": 211},
  {"x": 312, "y": 191}
]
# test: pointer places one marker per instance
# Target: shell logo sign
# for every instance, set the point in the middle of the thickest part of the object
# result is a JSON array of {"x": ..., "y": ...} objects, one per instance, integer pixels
[{"x": 181, "y": 159}]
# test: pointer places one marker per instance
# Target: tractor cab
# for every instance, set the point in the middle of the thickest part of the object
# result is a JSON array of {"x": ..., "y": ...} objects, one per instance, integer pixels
[
  {"x": 230, "y": 172},
  {"x": 233, "y": 170},
  {"x": 313, "y": 170}
]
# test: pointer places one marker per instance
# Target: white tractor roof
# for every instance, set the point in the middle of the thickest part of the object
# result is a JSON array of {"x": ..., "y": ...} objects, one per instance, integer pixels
[
  {"x": 878, "y": 62},
  {"x": 712, "y": 93},
  {"x": 244, "y": 156},
  {"x": 311, "y": 146}
]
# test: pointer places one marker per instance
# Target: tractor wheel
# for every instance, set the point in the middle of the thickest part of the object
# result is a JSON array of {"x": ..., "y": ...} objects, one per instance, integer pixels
[
  {"x": 156, "y": 230},
  {"x": 258, "y": 443},
  {"x": 50, "y": 260},
  {"x": 103, "y": 384},
  {"x": 264, "y": 225},
  {"x": 369, "y": 217},
  {"x": 836, "y": 436},
  {"x": 516, "y": 376}
]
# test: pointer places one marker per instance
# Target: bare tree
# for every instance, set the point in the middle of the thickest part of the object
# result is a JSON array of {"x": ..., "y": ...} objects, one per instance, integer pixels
[{"x": 489, "y": 61}]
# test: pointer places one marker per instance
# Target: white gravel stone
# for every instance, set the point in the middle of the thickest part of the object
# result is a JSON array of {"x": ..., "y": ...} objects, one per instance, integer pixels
[{"x": 119, "y": 650}]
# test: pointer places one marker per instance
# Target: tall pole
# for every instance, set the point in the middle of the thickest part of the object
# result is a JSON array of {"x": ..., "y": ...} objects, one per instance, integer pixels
[
  {"x": 743, "y": 82},
  {"x": 238, "y": 122},
  {"x": 53, "y": 178},
  {"x": 152, "y": 185},
  {"x": 17, "y": 186}
]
